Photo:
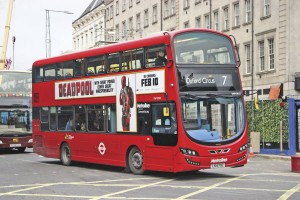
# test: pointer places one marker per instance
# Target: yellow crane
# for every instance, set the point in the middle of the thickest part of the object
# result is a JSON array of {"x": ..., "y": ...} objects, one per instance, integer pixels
[{"x": 6, "y": 34}]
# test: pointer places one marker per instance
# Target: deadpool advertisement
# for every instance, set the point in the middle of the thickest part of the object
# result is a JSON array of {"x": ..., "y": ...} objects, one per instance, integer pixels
[{"x": 126, "y": 103}]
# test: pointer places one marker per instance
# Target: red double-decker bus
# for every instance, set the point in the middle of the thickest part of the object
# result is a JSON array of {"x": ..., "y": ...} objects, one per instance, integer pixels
[{"x": 171, "y": 102}]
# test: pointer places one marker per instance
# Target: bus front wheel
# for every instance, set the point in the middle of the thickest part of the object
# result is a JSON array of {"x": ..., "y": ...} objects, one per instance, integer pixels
[
  {"x": 65, "y": 154},
  {"x": 135, "y": 161}
]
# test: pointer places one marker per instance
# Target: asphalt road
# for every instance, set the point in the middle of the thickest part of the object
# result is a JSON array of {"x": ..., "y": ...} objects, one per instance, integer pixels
[{"x": 29, "y": 176}]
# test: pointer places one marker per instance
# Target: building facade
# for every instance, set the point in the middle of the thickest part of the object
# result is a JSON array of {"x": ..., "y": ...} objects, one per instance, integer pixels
[{"x": 265, "y": 31}]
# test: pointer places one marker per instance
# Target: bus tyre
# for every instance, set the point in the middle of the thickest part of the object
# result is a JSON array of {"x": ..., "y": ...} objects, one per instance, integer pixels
[
  {"x": 65, "y": 154},
  {"x": 135, "y": 161}
]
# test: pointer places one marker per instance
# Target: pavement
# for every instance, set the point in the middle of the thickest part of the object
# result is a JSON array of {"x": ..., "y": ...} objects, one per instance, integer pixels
[{"x": 271, "y": 156}]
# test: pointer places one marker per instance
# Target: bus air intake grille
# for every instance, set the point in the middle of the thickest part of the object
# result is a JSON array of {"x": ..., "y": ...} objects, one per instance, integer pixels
[{"x": 219, "y": 151}]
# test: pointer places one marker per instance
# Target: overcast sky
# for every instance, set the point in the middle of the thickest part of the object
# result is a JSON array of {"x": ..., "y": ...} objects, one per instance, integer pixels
[{"x": 28, "y": 25}]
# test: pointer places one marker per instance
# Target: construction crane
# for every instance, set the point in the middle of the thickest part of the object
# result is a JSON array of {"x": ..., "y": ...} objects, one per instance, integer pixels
[{"x": 6, "y": 34}]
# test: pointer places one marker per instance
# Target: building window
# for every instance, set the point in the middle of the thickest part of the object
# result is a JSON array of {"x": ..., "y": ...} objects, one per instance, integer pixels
[
  {"x": 130, "y": 26},
  {"x": 236, "y": 8},
  {"x": 172, "y": 7},
  {"x": 206, "y": 21},
  {"x": 186, "y": 24},
  {"x": 197, "y": 1},
  {"x": 91, "y": 38},
  {"x": 146, "y": 18},
  {"x": 226, "y": 18},
  {"x": 137, "y": 1},
  {"x": 271, "y": 53},
  {"x": 186, "y": 4},
  {"x": 267, "y": 7},
  {"x": 261, "y": 46},
  {"x": 124, "y": 29},
  {"x": 154, "y": 14},
  {"x": 198, "y": 22},
  {"x": 117, "y": 32},
  {"x": 111, "y": 11},
  {"x": 130, "y": 3},
  {"x": 86, "y": 40},
  {"x": 216, "y": 20},
  {"x": 107, "y": 14},
  {"x": 248, "y": 59},
  {"x": 117, "y": 7},
  {"x": 166, "y": 6},
  {"x": 247, "y": 11},
  {"x": 138, "y": 21},
  {"x": 123, "y": 5}
]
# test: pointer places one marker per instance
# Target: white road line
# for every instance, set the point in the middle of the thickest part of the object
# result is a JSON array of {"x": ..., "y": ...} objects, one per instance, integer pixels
[
  {"x": 131, "y": 189},
  {"x": 290, "y": 192},
  {"x": 210, "y": 187}
]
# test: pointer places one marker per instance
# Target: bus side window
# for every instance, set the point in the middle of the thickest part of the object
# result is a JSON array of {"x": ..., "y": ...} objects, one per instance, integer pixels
[
  {"x": 95, "y": 65},
  {"x": 153, "y": 54},
  {"x": 113, "y": 62},
  {"x": 97, "y": 118},
  {"x": 38, "y": 74},
  {"x": 64, "y": 117},
  {"x": 163, "y": 121},
  {"x": 79, "y": 67},
  {"x": 52, "y": 118},
  {"x": 44, "y": 119},
  {"x": 80, "y": 118},
  {"x": 112, "y": 118},
  {"x": 132, "y": 59},
  {"x": 67, "y": 69},
  {"x": 49, "y": 73}
]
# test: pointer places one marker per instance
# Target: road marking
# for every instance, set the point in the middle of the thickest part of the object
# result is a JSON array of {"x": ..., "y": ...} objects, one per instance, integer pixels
[
  {"x": 210, "y": 187},
  {"x": 290, "y": 192},
  {"x": 25, "y": 189},
  {"x": 131, "y": 189}
]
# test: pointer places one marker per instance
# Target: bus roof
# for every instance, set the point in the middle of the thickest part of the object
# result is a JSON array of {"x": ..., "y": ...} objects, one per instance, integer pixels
[{"x": 163, "y": 37}]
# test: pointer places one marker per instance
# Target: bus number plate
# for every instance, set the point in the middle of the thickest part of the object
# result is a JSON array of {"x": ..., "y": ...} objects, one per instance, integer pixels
[
  {"x": 15, "y": 145},
  {"x": 218, "y": 165}
]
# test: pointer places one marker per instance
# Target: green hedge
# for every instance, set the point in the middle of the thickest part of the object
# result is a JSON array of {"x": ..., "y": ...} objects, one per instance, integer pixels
[{"x": 266, "y": 120}]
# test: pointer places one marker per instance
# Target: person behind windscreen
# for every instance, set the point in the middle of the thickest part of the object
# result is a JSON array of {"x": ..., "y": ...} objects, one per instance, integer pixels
[{"x": 161, "y": 60}]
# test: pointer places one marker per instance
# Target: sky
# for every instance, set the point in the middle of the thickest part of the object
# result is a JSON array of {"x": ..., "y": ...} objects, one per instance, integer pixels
[{"x": 28, "y": 25}]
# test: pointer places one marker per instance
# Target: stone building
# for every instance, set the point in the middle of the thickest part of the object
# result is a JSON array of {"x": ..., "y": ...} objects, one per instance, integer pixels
[{"x": 265, "y": 31}]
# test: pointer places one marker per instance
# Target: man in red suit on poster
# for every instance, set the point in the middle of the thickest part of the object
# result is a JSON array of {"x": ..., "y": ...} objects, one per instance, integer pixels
[{"x": 126, "y": 100}]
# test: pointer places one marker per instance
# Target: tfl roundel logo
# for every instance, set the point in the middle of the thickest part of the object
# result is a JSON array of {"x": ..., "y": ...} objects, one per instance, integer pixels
[{"x": 101, "y": 148}]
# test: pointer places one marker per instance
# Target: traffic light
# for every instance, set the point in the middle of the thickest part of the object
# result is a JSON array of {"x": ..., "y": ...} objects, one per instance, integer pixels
[{"x": 256, "y": 103}]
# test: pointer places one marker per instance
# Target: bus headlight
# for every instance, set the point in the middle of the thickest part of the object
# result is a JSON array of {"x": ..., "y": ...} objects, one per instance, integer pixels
[
  {"x": 1, "y": 142},
  {"x": 30, "y": 140},
  {"x": 189, "y": 152},
  {"x": 243, "y": 147}
]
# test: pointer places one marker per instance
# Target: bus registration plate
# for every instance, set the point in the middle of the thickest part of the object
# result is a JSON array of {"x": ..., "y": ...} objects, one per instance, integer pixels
[
  {"x": 218, "y": 165},
  {"x": 15, "y": 145}
]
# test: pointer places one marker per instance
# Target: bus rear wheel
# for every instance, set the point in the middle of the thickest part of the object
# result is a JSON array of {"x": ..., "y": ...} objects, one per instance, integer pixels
[
  {"x": 135, "y": 161},
  {"x": 65, "y": 154}
]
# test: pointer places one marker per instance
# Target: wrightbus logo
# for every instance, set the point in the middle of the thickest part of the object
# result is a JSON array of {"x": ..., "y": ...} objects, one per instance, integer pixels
[
  {"x": 76, "y": 88},
  {"x": 143, "y": 105}
]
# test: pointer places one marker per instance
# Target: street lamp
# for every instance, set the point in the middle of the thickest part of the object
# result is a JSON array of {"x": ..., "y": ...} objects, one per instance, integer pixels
[{"x": 48, "y": 36}]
